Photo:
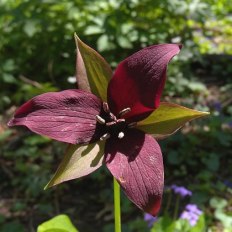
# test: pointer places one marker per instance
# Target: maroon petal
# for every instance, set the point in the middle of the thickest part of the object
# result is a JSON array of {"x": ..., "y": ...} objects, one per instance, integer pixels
[
  {"x": 139, "y": 80},
  {"x": 136, "y": 162},
  {"x": 67, "y": 116}
]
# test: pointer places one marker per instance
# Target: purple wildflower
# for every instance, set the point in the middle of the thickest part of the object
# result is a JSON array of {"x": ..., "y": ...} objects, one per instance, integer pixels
[
  {"x": 230, "y": 124},
  {"x": 217, "y": 106},
  {"x": 193, "y": 208},
  {"x": 182, "y": 191},
  {"x": 228, "y": 183},
  {"x": 191, "y": 213},
  {"x": 150, "y": 219}
]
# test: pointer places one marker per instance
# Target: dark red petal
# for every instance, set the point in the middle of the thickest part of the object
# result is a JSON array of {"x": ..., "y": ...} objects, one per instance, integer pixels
[
  {"x": 67, "y": 116},
  {"x": 136, "y": 162},
  {"x": 139, "y": 80}
]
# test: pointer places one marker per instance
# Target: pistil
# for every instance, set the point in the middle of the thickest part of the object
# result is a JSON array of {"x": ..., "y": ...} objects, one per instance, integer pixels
[{"x": 120, "y": 135}]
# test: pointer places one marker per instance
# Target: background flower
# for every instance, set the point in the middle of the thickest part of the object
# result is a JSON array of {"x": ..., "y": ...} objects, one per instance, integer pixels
[
  {"x": 150, "y": 219},
  {"x": 191, "y": 213},
  {"x": 180, "y": 190}
]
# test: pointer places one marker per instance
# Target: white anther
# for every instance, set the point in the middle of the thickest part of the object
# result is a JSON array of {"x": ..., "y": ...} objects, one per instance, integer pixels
[
  {"x": 111, "y": 123},
  {"x": 112, "y": 116},
  {"x": 106, "y": 107},
  {"x": 124, "y": 111},
  {"x": 105, "y": 136},
  {"x": 132, "y": 125},
  {"x": 120, "y": 120},
  {"x": 120, "y": 135},
  {"x": 100, "y": 119}
]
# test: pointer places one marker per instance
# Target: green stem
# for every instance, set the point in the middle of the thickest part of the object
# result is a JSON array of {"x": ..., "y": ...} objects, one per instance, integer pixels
[
  {"x": 176, "y": 207},
  {"x": 117, "y": 210},
  {"x": 169, "y": 200}
]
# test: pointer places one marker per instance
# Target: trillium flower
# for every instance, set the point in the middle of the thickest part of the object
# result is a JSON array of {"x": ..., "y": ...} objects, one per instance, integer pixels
[{"x": 109, "y": 127}]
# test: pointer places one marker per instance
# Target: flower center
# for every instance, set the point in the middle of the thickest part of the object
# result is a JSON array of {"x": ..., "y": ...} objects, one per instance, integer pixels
[{"x": 115, "y": 126}]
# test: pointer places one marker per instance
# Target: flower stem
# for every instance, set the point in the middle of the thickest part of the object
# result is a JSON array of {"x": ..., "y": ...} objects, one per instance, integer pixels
[
  {"x": 117, "y": 210},
  {"x": 176, "y": 207},
  {"x": 169, "y": 200}
]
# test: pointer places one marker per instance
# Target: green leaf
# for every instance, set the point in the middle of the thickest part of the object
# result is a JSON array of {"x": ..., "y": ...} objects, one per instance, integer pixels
[
  {"x": 200, "y": 226},
  {"x": 167, "y": 119},
  {"x": 5, "y": 134},
  {"x": 212, "y": 162},
  {"x": 218, "y": 203},
  {"x": 174, "y": 158},
  {"x": 78, "y": 161},
  {"x": 93, "y": 72},
  {"x": 225, "y": 219},
  {"x": 30, "y": 27},
  {"x": 164, "y": 224},
  {"x": 14, "y": 226},
  {"x": 60, "y": 223}
]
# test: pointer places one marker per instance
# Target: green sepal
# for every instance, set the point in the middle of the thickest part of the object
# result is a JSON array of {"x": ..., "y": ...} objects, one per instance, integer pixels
[
  {"x": 92, "y": 71},
  {"x": 78, "y": 161},
  {"x": 167, "y": 119}
]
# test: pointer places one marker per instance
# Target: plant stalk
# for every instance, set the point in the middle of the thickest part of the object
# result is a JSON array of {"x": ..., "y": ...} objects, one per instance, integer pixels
[
  {"x": 117, "y": 208},
  {"x": 169, "y": 200},
  {"x": 176, "y": 207}
]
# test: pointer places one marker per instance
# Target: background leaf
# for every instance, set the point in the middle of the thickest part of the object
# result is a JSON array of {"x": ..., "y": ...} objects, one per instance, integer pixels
[
  {"x": 60, "y": 223},
  {"x": 200, "y": 77}
]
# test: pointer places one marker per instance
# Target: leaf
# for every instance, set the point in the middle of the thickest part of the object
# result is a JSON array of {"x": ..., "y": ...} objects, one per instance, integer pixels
[
  {"x": 167, "y": 119},
  {"x": 60, "y": 223},
  {"x": 218, "y": 203},
  {"x": 225, "y": 219},
  {"x": 13, "y": 226},
  {"x": 164, "y": 223},
  {"x": 78, "y": 161},
  {"x": 200, "y": 226},
  {"x": 30, "y": 28},
  {"x": 93, "y": 72}
]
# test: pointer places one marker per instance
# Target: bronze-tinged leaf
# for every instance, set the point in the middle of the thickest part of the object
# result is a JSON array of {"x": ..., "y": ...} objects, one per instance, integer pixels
[
  {"x": 93, "y": 72},
  {"x": 78, "y": 161},
  {"x": 167, "y": 119}
]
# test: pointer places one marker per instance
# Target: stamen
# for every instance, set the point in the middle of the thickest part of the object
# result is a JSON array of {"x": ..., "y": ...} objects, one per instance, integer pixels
[
  {"x": 124, "y": 111},
  {"x": 132, "y": 125},
  {"x": 110, "y": 123},
  {"x": 112, "y": 116},
  {"x": 100, "y": 119},
  {"x": 120, "y": 135},
  {"x": 105, "y": 136},
  {"x": 106, "y": 107},
  {"x": 120, "y": 120}
]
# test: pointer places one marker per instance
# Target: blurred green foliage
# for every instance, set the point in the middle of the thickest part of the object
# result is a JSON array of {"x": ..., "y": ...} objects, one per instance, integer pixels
[{"x": 37, "y": 54}]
